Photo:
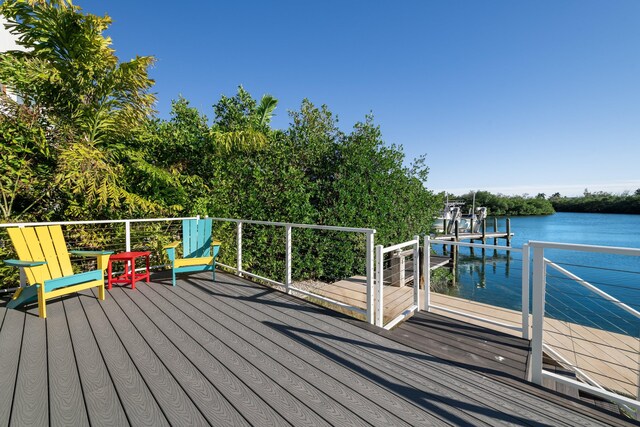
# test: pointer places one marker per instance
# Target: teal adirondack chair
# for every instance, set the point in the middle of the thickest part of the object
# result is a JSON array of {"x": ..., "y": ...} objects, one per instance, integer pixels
[{"x": 198, "y": 249}]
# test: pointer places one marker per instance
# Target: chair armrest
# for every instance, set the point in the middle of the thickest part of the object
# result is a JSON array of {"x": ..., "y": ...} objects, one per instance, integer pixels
[
  {"x": 102, "y": 257},
  {"x": 216, "y": 243},
  {"x": 90, "y": 253},
  {"x": 171, "y": 245},
  {"x": 18, "y": 263}
]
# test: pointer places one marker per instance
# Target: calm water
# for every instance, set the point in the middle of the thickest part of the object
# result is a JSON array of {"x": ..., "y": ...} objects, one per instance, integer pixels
[{"x": 496, "y": 278}]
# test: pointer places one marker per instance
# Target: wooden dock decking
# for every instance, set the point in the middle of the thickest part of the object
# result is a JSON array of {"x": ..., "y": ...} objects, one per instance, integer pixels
[
  {"x": 609, "y": 358},
  {"x": 236, "y": 353}
]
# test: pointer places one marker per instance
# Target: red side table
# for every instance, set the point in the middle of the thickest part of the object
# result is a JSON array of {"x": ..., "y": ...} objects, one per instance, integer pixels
[{"x": 130, "y": 275}]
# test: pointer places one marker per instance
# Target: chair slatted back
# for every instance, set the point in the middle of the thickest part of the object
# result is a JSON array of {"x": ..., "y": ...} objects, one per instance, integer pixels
[
  {"x": 196, "y": 237},
  {"x": 42, "y": 243}
]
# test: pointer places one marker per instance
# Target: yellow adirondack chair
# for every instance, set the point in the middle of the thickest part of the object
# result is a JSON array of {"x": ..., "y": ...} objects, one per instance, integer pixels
[{"x": 44, "y": 259}]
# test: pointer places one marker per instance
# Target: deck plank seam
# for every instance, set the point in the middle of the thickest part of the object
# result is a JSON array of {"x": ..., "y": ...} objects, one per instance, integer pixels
[
  {"x": 495, "y": 356},
  {"x": 15, "y": 384}
]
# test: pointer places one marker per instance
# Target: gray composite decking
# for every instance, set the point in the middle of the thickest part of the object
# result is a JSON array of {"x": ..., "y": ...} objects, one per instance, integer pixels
[{"x": 235, "y": 353}]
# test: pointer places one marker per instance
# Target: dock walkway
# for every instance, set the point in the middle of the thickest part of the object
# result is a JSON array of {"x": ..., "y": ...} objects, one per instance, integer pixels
[{"x": 236, "y": 353}]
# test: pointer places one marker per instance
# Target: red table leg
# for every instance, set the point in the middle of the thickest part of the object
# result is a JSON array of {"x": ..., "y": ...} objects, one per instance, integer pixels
[{"x": 147, "y": 272}]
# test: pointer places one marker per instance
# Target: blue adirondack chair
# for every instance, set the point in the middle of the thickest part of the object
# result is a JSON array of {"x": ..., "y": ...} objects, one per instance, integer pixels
[
  {"x": 198, "y": 249},
  {"x": 44, "y": 259}
]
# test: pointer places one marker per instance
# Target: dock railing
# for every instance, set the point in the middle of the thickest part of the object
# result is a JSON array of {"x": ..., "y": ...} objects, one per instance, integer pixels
[
  {"x": 605, "y": 358},
  {"x": 397, "y": 275},
  {"x": 521, "y": 324}
]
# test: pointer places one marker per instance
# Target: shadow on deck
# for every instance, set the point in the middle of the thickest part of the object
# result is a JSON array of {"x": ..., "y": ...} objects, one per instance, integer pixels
[{"x": 236, "y": 353}]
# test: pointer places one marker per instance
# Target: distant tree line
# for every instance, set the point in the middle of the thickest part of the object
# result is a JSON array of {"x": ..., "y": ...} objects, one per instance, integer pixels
[
  {"x": 540, "y": 204},
  {"x": 598, "y": 202},
  {"x": 85, "y": 143},
  {"x": 502, "y": 205}
]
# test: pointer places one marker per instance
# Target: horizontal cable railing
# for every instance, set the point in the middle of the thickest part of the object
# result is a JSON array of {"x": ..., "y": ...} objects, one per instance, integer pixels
[
  {"x": 490, "y": 286},
  {"x": 295, "y": 258},
  {"x": 592, "y": 332}
]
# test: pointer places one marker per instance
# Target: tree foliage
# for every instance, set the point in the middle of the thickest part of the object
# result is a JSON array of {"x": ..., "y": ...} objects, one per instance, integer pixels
[
  {"x": 84, "y": 143},
  {"x": 86, "y": 103}
]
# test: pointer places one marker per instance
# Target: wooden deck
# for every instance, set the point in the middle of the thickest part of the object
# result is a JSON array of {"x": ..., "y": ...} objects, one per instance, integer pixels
[{"x": 236, "y": 353}]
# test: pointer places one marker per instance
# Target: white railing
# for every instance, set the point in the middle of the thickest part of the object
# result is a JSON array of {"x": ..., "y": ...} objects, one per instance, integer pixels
[
  {"x": 287, "y": 283},
  {"x": 523, "y": 327},
  {"x": 380, "y": 252},
  {"x": 592, "y": 382},
  {"x": 126, "y": 245}
]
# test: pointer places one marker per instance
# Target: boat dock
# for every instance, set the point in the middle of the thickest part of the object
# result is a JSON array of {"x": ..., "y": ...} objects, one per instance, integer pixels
[{"x": 483, "y": 235}]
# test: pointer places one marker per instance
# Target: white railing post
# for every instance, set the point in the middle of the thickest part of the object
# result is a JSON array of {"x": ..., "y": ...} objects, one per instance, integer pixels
[
  {"x": 369, "y": 244},
  {"x": 379, "y": 287},
  {"x": 287, "y": 259},
  {"x": 239, "y": 244},
  {"x": 127, "y": 233},
  {"x": 416, "y": 273},
  {"x": 539, "y": 282},
  {"x": 525, "y": 291},
  {"x": 426, "y": 268}
]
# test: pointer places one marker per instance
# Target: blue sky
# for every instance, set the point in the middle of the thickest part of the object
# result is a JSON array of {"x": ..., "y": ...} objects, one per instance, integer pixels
[{"x": 507, "y": 96}]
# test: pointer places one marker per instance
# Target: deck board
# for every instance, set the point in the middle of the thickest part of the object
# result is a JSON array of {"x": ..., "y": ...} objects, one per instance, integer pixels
[
  {"x": 541, "y": 400},
  {"x": 65, "y": 390},
  {"x": 11, "y": 342},
  {"x": 451, "y": 340},
  {"x": 363, "y": 396},
  {"x": 33, "y": 408},
  {"x": 256, "y": 328},
  {"x": 200, "y": 390},
  {"x": 233, "y": 352}
]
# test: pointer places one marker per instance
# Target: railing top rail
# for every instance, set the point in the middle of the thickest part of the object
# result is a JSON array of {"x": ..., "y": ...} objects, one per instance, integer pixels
[
  {"x": 586, "y": 248},
  {"x": 473, "y": 245},
  {"x": 399, "y": 246},
  {"x": 312, "y": 226},
  {"x": 106, "y": 221}
]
